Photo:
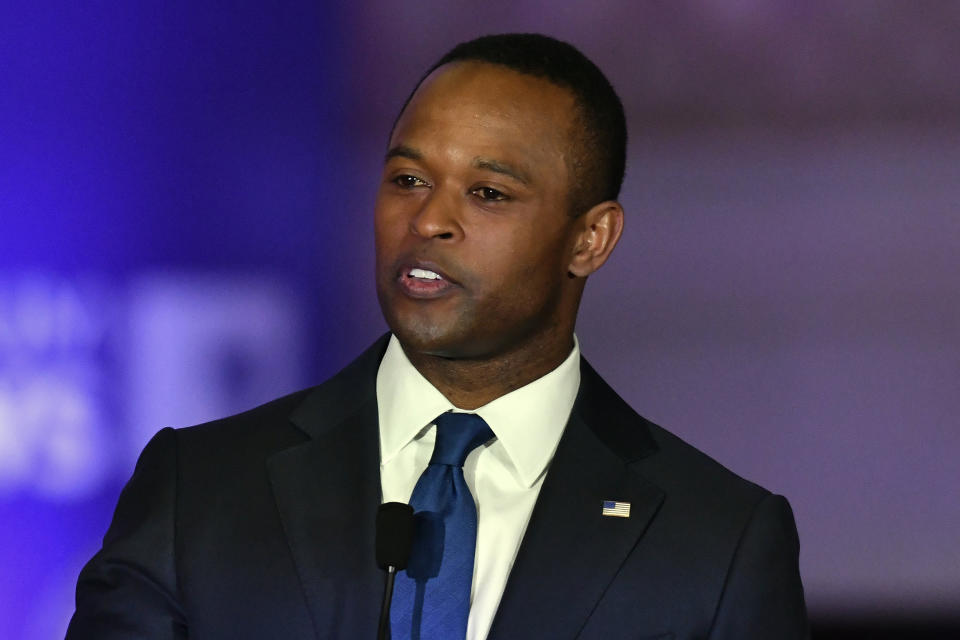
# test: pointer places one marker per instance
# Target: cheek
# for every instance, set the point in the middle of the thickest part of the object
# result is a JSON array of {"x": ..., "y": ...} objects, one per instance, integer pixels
[
  {"x": 381, "y": 220},
  {"x": 388, "y": 229},
  {"x": 522, "y": 272},
  {"x": 538, "y": 257}
]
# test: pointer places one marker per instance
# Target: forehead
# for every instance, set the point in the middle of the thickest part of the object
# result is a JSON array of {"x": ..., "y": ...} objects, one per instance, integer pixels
[{"x": 485, "y": 105}]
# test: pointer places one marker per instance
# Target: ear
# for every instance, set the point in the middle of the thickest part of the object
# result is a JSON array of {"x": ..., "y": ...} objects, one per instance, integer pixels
[{"x": 598, "y": 232}]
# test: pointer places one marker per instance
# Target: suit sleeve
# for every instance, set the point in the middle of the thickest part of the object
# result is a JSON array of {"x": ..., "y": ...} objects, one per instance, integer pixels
[
  {"x": 763, "y": 595},
  {"x": 129, "y": 588}
]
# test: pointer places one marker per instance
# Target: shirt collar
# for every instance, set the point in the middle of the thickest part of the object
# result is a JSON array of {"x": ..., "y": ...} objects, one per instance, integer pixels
[{"x": 528, "y": 421}]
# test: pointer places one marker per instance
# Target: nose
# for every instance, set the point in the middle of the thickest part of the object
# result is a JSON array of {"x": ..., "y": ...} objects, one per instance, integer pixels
[{"x": 437, "y": 217}]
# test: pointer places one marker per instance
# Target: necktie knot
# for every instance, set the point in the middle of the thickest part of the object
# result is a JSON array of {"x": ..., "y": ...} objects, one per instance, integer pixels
[{"x": 457, "y": 435}]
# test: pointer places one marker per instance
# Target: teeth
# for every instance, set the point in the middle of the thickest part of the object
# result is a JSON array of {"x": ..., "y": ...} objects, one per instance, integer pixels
[{"x": 423, "y": 273}]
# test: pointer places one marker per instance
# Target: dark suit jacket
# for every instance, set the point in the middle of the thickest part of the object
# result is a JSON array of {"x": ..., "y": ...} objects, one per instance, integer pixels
[{"x": 262, "y": 526}]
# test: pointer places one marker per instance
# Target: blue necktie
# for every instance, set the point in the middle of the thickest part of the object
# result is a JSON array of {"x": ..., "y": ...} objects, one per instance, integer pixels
[{"x": 431, "y": 599}]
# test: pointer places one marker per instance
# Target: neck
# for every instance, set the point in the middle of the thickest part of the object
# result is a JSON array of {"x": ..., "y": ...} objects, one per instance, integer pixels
[{"x": 469, "y": 383}]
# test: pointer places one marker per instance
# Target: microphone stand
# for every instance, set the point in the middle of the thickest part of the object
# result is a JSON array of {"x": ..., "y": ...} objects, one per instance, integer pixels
[
  {"x": 383, "y": 630},
  {"x": 393, "y": 542}
]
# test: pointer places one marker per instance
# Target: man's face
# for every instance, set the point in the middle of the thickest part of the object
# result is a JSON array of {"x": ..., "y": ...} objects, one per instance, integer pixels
[{"x": 473, "y": 236}]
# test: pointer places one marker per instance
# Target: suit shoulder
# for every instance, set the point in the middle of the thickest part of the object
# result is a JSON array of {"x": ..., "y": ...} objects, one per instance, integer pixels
[
  {"x": 264, "y": 428},
  {"x": 681, "y": 466},
  {"x": 256, "y": 417},
  {"x": 287, "y": 420},
  {"x": 664, "y": 458}
]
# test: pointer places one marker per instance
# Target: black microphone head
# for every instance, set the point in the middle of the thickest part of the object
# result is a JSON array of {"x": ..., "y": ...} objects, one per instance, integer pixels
[{"x": 394, "y": 534}]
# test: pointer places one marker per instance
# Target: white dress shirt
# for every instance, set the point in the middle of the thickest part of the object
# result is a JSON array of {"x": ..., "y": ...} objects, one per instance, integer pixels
[{"x": 504, "y": 476}]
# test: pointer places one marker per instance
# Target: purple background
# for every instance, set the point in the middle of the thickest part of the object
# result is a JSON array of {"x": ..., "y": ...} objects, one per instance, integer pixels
[{"x": 185, "y": 231}]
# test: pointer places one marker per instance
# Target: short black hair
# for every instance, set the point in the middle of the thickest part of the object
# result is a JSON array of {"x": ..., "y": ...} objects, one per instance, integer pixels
[{"x": 599, "y": 132}]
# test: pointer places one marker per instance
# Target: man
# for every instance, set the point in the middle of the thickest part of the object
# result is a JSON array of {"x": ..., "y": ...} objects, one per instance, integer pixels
[{"x": 574, "y": 517}]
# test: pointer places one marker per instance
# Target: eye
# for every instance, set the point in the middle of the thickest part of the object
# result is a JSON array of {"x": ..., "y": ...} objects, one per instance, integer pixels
[
  {"x": 407, "y": 181},
  {"x": 489, "y": 194}
]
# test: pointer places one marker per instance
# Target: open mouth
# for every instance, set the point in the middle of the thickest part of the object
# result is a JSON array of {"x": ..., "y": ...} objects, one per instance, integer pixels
[
  {"x": 423, "y": 274},
  {"x": 420, "y": 282}
]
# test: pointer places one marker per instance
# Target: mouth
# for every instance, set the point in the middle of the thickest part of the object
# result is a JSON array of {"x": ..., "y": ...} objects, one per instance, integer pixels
[{"x": 424, "y": 281}]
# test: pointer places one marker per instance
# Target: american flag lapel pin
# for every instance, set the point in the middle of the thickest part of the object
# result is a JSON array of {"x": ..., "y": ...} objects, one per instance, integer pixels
[{"x": 616, "y": 509}]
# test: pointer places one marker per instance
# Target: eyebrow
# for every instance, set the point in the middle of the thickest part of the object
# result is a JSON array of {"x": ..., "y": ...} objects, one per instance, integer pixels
[
  {"x": 501, "y": 167},
  {"x": 411, "y": 153},
  {"x": 403, "y": 151}
]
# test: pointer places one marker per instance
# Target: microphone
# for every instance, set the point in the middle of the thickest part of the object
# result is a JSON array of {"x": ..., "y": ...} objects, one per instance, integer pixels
[{"x": 394, "y": 539}]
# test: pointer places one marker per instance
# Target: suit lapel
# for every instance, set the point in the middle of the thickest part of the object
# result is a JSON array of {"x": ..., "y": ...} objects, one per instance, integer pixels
[
  {"x": 571, "y": 552},
  {"x": 327, "y": 491}
]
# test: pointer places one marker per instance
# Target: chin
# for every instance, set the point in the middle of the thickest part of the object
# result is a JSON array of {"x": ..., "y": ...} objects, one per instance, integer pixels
[
  {"x": 428, "y": 339},
  {"x": 420, "y": 331}
]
